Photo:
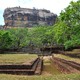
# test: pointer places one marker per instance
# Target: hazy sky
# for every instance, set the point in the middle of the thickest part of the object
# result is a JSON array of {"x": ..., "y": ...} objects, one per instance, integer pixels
[{"x": 54, "y": 6}]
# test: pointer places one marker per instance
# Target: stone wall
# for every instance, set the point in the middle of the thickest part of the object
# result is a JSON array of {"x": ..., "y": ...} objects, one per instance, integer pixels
[{"x": 25, "y": 17}]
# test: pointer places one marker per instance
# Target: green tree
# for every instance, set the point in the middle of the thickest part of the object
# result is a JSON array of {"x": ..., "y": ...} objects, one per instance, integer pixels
[
  {"x": 19, "y": 37},
  {"x": 5, "y": 40},
  {"x": 61, "y": 34},
  {"x": 42, "y": 35},
  {"x": 67, "y": 30}
]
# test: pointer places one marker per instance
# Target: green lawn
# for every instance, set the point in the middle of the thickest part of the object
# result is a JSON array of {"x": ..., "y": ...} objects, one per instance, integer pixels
[
  {"x": 67, "y": 58},
  {"x": 50, "y": 68},
  {"x": 55, "y": 77},
  {"x": 20, "y": 58},
  {"x": 16, "y": 58},
  {"x": 75, "y": 53}
]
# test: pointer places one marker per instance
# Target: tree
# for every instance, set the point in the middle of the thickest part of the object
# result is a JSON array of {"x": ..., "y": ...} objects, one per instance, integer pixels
[
  {"x": 60, "y": 33},
  {"x": 19, "y": 37},
  {"x": 67, "y": 30},
  {"x": 5, "y": 40},
  {"x": 41, "y": 36}
]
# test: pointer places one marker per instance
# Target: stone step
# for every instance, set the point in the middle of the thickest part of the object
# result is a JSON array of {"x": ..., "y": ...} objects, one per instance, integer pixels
[
  {"x": 22, "y": 70},
  {"x": 71, "y": 63},
  {"x": 64, "y": 67},
  {"x": 39, "y": 68},
  {"x": 20, "y": 66}
]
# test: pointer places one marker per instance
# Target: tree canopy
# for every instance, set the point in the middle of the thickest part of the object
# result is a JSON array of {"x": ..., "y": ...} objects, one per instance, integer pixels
[{"x": 65, "y": 32}]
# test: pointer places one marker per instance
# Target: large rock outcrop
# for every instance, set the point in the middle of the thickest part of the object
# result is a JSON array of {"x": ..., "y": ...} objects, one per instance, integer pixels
[{"x": 25, "y": 17}]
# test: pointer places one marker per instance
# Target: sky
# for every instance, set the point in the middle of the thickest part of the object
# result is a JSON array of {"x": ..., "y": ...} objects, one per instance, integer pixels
[{"x": 54, "y": 6}]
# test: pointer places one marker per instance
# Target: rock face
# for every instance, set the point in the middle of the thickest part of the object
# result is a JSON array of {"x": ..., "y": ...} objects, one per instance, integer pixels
[{"x": 25, "y": 17}]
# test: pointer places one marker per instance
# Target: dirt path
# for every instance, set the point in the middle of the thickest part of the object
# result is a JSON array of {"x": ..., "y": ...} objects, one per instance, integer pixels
[{"x": 49, "y": 67}]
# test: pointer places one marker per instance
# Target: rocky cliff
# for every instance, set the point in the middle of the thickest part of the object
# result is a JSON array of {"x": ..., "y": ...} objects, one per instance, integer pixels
[{"x": 25, "y": 17}]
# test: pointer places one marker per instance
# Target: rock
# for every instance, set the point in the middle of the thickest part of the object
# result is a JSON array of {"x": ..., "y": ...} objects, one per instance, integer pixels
[
  {"x": 1, "y": 26},
  {"x": 25, "y": 17}
]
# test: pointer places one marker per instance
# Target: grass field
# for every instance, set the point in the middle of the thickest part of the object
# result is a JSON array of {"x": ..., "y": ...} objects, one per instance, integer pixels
[
  {"x": 74, "y": 53},
  {"x": 67, "y": 58},
  {"x": 49, "y": 67},
  {"x": 55, "y": 77},
  {"x": 16, "y": 58},
  {"x": 20, "y": 58}
]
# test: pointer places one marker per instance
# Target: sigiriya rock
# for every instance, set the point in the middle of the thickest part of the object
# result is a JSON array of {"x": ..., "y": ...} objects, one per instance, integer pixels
[{"x": 26, "y": 17}]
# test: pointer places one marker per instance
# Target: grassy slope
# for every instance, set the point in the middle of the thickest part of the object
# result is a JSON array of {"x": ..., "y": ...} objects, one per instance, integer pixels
[
  {"x": 67, "y": 58},
  {"x": 16, "y": 58},
  {"x": 74, "y": 53}
]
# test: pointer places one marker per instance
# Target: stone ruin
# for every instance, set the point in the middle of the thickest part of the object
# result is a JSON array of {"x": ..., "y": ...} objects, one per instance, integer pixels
[{"x": 26, "y": 17}]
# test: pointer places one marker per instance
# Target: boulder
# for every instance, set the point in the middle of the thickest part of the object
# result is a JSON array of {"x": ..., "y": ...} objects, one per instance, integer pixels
[{"x": 26, "y": 17}]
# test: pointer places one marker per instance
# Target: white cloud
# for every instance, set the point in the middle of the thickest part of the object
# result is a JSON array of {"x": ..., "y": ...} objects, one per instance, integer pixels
[
  {"x": 54, "y": 5},
  {"x": 6, "y": 3},
  {"x": 12, "y": 3}
]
